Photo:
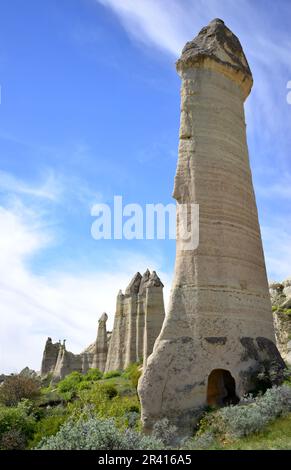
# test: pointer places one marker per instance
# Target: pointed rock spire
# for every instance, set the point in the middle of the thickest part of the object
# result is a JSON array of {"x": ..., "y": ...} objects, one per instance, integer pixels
[
  {"x": 133, "y": 286},
  {"x": 144, "y": 281},
  {"x": 154, "y": 280}
]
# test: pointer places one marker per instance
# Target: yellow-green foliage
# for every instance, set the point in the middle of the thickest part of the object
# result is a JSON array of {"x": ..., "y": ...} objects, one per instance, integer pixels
[
  {"x": 18, "y": 421},
  {"x": 104, "y": 401},
  {"x": 46, "y": 427},
  {"x": 112, "y": 373},
  {"x": 75, "y": 382},
  {"x": 133, "y": 373}
]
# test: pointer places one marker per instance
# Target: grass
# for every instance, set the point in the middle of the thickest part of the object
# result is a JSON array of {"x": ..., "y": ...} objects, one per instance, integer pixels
[{"x": 276, "y": 436}]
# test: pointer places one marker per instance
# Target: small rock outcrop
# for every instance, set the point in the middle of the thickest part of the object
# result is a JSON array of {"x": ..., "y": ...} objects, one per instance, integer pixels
[
  {"x": 280, "y": 293},
  {"x": 58, "y": 361}
]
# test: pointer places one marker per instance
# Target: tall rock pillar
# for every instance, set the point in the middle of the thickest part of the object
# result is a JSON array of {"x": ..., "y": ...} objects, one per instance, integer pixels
[
  {"x": 101, "y": 345},
  {"x": 116, "y": 350},
  {"x": 140, "y": 320},
  {"x": 154, "y": 314},
  {"x": 219, "y": 329},
  {"x": 130, "y": 310}
]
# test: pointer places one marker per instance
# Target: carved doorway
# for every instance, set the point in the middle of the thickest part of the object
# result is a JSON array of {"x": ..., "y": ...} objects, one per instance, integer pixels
[{"x": 221, "y": 388}]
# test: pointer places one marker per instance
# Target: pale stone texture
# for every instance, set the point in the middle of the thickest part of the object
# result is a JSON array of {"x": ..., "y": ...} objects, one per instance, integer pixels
[
  {"x": 280, "y": 293},
  {"x": 154, "y": 314},
  {"x": 59, "y": 362},
  {"x": 138, "y": 320},
  {"x": 50, "y": 356},
  {"x": 101, "y": 345},
  {"x": 67, "y": 362},
  {"x": 219, "y": 315}
]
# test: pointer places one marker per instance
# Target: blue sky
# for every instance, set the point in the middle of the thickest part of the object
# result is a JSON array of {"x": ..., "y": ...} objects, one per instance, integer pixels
[{"x": 90, "y": 109}]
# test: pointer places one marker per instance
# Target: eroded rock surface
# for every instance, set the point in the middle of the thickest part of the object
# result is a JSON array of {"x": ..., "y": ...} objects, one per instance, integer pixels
[{"x": 220, "y": 308}]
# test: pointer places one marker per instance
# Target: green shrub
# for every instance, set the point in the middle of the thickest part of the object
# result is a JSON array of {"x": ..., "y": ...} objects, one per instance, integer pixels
[
  {"x": 201, "y": 442},
  {"x": 104, "y": 402},
  {"x": 16, "y": 425},
  {"x": 86, "y": 385},
  {"x": 93, "y": 375},
  {"x": 46, "y": 427},
  {"x": 112, "y": 373},
  {"x": 108, "y": 390},
  {"x": 14, "y": 439},
  {"x": 164, "y": 431},
  {"x": 133, "y": 373},
  {"x": 97, "y": 434},
  {"x": 69, "y": 385},
  {"x": 17, "y": 387},
  {"x": 249, "y": 417}
]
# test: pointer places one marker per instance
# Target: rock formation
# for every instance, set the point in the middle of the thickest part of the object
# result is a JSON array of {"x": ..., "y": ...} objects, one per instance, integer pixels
[
  {"x": 59, "y": 362},
  {"x": 101, "y": 345},
  {"x": 138, "y": 320},
  {"x": 67, "y": 362},
  {"x": 50, "y": 356},
  {"x": 218, "y": 330},
  {"x": 280, "y": 293}
]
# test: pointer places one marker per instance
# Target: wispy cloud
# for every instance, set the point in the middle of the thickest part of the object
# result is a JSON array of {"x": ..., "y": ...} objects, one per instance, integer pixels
[
  {"x": 59, "y": 303},
  {"x": 168, "y": 24},
  {"x": 49, "y": 189}
]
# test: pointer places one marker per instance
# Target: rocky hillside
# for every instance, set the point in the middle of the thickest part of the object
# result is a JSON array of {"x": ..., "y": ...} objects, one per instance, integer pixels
[{"x": 281, "y": 302}]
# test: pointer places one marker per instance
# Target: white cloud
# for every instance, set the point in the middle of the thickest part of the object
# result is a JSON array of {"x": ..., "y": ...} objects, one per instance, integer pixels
[
  {"x": 168, "y": 24},
  {"x": 49, "y": 189},
  {"x": 57, "y": 304}
]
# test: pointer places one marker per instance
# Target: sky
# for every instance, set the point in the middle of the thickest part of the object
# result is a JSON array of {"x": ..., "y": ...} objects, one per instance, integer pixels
[{"x": 89, "y": 110}]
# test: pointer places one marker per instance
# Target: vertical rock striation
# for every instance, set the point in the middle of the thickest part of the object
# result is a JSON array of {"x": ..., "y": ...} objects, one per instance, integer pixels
[
  {"x": 219, "y": 328},
  {"x": 101, "y": 345},
  {"x": 138, "y": 320},
  {"x": 50, "y": 356}
]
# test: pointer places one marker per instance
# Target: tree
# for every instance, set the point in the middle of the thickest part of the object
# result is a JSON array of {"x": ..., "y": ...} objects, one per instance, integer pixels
[{"x": 17, "y": 387}]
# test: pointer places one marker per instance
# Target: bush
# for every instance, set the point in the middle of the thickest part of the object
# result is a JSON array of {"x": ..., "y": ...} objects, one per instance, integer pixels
[
  {"x": 69, "y": 385},
  {"x": 86, "y": 385},
  {"x": 13, "y": 439},
  {"x": 17, "y": 387},
  {"x": 100, "y": 400},
  {"x": 133, "y": 373},
  {"x": 93, "y": 375},
  {"x": 164, "y": 431},
  {"x": 200, "y": 442},
  {"x": 234, "y": 422},
  {"x": 46, "y": 427},
  {"x": 112, "y": 373},
  {"x": 16, "y": 426},
  {"x": 108, "y": 390},
  {"x": 97, "y": 434}
]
